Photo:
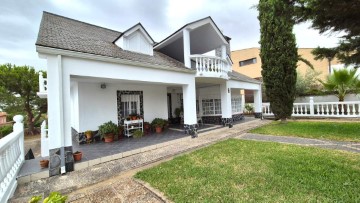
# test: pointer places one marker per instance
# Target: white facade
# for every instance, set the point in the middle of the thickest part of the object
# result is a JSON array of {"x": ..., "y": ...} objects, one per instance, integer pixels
[{"x": 84, "y": 90}]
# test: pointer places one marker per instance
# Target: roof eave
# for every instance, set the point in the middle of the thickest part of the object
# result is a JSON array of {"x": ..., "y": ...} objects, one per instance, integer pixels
[{"x": 57, "y": 51}]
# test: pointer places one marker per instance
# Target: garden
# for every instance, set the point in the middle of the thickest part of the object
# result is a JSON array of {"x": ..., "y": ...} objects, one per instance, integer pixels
[{"x": 250, "y": 171}]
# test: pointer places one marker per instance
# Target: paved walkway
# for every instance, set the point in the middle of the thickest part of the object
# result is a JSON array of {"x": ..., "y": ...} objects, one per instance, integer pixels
[
  {"x": 347, "y": 146},
  {"x": 98, "y": 174}
]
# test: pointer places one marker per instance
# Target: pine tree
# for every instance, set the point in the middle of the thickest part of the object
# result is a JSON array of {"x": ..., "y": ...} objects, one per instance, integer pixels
[
  {"x": 334, "y": 16},
  {"x": 278, "y": 54}
]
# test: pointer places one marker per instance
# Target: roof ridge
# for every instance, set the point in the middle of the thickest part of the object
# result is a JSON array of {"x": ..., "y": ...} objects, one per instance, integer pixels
[{"x": 80, "y": 21}]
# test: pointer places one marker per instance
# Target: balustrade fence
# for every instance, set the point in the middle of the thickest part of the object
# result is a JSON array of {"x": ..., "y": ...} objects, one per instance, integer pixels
[
  {"x": 11, "y": 159},
  {"x": 348, "y": 109}
]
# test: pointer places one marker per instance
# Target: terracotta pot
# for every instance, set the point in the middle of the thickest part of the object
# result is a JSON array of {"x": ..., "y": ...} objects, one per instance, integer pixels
[
  {"x": 44, "y": 163},
  {"x": 77, "y": 156},
  {"x": 133, "y": 117},
  {"x": 109, "y": 137},
  {"x": 158, "y": 129}
]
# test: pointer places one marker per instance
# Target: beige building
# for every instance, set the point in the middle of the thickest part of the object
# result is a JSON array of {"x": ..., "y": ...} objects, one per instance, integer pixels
[{"x": 248, "y": 62}]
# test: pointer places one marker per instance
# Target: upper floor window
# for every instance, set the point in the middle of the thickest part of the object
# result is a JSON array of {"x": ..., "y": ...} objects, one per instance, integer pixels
[{"x": 247, "y": 62}]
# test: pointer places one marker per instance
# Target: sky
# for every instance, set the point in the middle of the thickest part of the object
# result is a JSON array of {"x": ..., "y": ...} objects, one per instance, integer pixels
[{"x": 20, "y": 20}]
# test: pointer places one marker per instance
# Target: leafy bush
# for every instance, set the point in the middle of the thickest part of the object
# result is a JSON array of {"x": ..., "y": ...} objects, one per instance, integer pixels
[
  {"x": 108, "y": 128},
  {"x": 158, "y": 122},
  {"x": 249, "y": 108},
  {"x": 138, "y": 134},
  {"x": 54, "y": 197},
  {"x": 308, "y": 83},
  {"x": 5, "y": 130}
]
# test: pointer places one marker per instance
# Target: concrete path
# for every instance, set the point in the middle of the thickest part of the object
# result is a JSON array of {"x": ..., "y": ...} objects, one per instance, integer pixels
[
  {"x": 347, "y": 146},
  {"x": 85, "y": 180}
]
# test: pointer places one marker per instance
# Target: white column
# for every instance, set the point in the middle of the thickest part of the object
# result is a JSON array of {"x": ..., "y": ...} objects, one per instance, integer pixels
[
  {"x": 55, "y": 102},
  {"x": 242, "y": 101},
  {"x": 186, "y": 41},
  {"x": 189, "y": 99},
  {"x": 66, "y": 109},
  {"x": 225, "y": 93},
  {"x": 223, "y": 51},
  {"x": 258, "y": 100}
]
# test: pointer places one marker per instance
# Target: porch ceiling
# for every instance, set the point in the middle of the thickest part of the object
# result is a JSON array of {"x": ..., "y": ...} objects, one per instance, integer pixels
[{"x": 202, "y": 40}]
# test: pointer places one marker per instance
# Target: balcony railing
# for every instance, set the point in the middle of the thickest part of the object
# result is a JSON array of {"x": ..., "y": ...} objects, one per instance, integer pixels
[
  {"x": 42, "y": 86},
  {"x": 210, "y": 66},
  {"x": 350, "y": 109},
  {"x": 11, "y": 159}
]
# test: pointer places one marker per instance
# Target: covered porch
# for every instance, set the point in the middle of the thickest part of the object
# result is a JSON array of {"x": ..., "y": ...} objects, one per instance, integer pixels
[{"x": 99, "y": 152}]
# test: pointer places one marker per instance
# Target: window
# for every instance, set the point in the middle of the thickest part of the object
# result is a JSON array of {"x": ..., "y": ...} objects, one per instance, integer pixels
[
  {"x": 247, "y": 62},
  {"x": 211, "y": 106},
  {"x": 130, "y": 104},
  {"x": 236, "y": 104}
]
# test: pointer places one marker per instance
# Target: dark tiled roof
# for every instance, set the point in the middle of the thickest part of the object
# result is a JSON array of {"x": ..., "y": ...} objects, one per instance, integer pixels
[
  {"x": 240, "y": 77},
  {"x": 69, "y": 34}
]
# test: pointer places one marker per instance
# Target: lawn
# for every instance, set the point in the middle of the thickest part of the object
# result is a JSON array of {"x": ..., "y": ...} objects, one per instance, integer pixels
[
  {"x": 248, "y": 171},
  {"x": 340, "y": 131}
]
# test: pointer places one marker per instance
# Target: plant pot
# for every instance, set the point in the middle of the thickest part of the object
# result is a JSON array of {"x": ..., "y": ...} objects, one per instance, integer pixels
[
  {"x": 158, "y": 129},
  {"x": 77, "y": 156},
  {"x": 88, "y": 136},
  {"x": 109, "y": 137},
  {"x": 44, "y": 163}
]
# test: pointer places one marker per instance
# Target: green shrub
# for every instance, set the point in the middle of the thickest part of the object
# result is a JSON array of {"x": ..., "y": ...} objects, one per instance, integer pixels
[
  {"x": 5, "y": 130},
  {"x": 249, "y": 108},
  {"x": 158, "y": 122},
  {"x": 138, "y": 134}
]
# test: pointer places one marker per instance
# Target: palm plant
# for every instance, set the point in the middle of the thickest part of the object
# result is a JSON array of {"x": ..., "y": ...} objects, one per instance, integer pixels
[{"x": 342, "y": 81}]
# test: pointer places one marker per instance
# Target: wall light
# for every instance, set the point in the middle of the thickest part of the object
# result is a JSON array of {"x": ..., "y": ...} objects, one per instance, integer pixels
[{"x": 103, "y": 86}]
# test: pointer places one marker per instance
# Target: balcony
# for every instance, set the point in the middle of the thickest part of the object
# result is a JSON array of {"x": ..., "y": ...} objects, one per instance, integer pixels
[
  {"x": 42, "y": 86},
  {"x": 210, "y": 66}
]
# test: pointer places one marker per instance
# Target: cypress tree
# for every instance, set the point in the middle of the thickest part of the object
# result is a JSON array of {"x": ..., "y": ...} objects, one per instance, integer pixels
[{"x": 278, "y": 54}]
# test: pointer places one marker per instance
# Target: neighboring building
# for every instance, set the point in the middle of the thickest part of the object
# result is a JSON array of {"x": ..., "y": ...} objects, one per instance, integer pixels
[
  {"x": 2, "y": 117},
  {"x": 248, "y": 62},
  {"x": 96, "y": 74}
]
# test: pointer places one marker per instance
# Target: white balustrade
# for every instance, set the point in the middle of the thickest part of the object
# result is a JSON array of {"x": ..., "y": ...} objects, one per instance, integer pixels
[
  {"x": 11, "y": 159},
  {"x": 42, "y": 86},
  {"x": 44, "y": 140},
  {"x": 350, "y": 109},
  {"x": 210, "y": 66},
  {"x": 42, "y": 83}
]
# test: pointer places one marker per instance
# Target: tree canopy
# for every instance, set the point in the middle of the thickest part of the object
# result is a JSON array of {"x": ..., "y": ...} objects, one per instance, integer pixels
[
  {"x": 334, "y": 16},
  {"x": 278, "y": 54},
  {"x": 18, "y": 87}
]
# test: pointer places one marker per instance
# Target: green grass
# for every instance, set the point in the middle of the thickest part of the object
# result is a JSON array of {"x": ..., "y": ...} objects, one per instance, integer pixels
[
  {"x": 249, "y": 171},
  {"x": 340, "y": 131}
]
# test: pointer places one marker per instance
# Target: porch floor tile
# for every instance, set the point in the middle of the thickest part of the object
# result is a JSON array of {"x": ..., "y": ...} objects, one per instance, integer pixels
[{"x": 99, "y": 149}]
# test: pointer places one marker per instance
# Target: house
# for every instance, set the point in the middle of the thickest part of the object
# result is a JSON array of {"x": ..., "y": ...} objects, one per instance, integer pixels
[
  {"x": 95, "y": 74},
  {"x": 248, "y": 62},
  {"x": 2, "y": 118}
]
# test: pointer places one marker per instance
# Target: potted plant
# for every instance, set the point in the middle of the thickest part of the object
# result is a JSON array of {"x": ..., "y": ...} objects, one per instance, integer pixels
[
  {"x": 44, "y": 163},
  {"x": 134, "y": 116},
  {"x": 138, "y": 134},
  {"x": 88, "y": 134},
  {"x": 77, "y": 156},
  {"x": 158, "y": 124},
  {"x": 108, "y": 130}
]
